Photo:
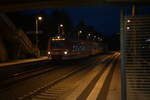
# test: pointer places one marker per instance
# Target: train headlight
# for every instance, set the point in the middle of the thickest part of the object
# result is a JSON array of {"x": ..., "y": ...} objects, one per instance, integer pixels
[
  {"x": 65, "y": 52},
  {"x": 49, "y": 52}
]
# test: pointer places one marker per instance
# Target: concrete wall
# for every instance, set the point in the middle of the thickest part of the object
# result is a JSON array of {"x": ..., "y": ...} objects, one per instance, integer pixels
[
  {"x": 14, "y": 43},
  {"x": 3, "y": 53}
]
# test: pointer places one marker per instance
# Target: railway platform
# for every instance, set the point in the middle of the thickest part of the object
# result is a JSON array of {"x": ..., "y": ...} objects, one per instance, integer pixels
[{"x": 23, "y": 61}]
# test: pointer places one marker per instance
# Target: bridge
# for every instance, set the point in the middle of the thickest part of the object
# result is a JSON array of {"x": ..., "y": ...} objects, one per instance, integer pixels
[{"x": 17, "y": 5}]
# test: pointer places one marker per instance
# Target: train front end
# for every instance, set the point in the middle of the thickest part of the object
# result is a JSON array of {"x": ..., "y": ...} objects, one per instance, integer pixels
[{"x": 57, "y": 48}]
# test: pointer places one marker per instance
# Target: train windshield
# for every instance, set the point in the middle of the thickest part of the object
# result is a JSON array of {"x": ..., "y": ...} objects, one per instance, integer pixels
[{"x": 58, "y": 44}]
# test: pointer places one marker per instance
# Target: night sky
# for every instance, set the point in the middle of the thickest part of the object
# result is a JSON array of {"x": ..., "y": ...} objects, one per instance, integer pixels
[{"x": 104, "y": 19}]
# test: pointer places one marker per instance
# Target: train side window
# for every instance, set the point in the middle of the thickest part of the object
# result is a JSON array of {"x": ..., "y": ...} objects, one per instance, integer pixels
[{"x": 75, "y": 48}]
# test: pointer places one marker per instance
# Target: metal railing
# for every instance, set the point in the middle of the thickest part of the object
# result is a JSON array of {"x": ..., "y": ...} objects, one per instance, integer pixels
[{"x": 136, "y": 57}]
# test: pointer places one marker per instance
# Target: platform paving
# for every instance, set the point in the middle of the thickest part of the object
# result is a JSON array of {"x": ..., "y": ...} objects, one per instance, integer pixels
[{"x": 23, "y": 61}]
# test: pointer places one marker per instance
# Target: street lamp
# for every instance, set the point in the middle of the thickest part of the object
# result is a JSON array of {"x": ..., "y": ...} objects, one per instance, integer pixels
[
  {"x": 61, "y": 25},
  {"x": 61, "y": 29},
  {"x": 128, "y": 28},
  {"x": 128, "y": 20},
  {"x": 58, "y": 37},
  {"x": 79, "y": 34},
  {"x": 39, "y": 18},
  {"x": 88, "y": 36},
  {"x": 100, "y": 39}
]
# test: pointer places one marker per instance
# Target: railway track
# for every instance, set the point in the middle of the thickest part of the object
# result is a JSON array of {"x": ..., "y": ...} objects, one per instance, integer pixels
[
  {"x": 19, "y": 76},
  {"x": 19, "y": 69},
  {"x": 32, "y": 72},
  {"x": 55, "y": 89},
  {"x": 50, "y": 85}
]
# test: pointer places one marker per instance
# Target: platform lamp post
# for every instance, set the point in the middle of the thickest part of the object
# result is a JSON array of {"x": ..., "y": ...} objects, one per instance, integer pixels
[
  {"x": 79, "y": 32},
  {"x": 88, "y": 36},
  {"x": 61, "y": 29},
  {"x": 39, "y": 18}
]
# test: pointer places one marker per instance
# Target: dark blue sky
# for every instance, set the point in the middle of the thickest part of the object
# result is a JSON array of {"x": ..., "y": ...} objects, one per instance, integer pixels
[{"x": 104, "y": 19}]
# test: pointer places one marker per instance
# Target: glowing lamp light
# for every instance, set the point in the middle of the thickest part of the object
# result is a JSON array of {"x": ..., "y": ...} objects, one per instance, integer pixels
[
  {"x": 128, "y": 20},
  {"x": 49, "y": 52},
  {"x": 58, "y": 37},
  {"x": 39, "y": 18},
  {"x": 128, "y": 28},
  {"x": 80, "y": 32},
  {"x": 65, "y": 52},
  {"x": 61, "y": 25}
]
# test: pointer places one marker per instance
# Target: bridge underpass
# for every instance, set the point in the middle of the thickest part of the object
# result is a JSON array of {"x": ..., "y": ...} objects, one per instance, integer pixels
[{"x": 135, "y": 84}]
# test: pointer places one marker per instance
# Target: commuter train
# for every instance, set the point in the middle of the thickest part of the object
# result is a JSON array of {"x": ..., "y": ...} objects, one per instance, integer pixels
[{"x": 61, "y": 48}]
